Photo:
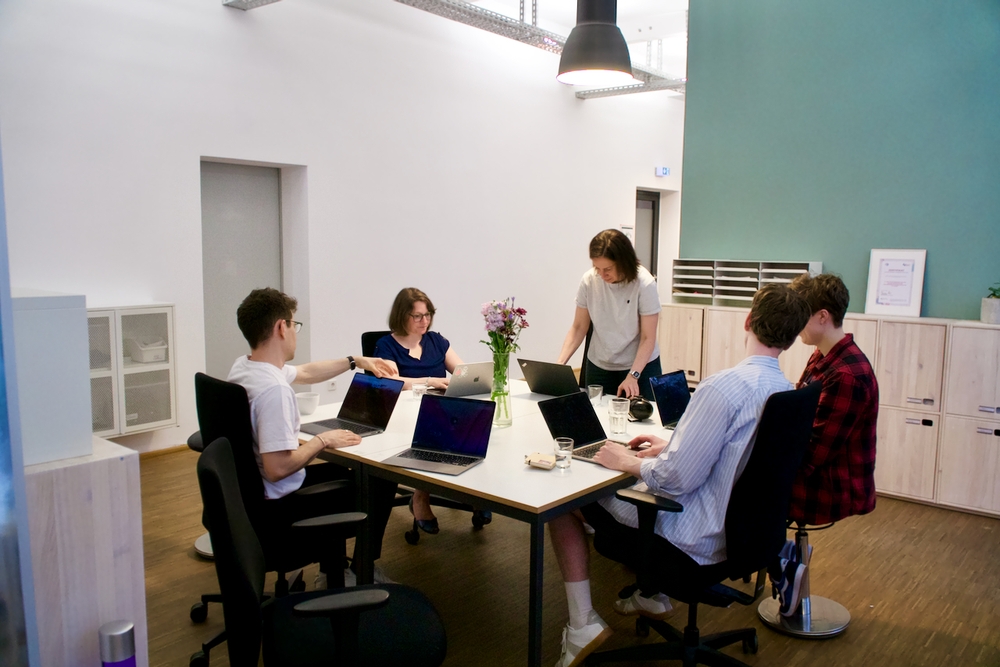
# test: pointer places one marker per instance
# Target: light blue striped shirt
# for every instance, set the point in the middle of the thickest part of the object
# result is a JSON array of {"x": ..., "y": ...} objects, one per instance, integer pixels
[{"x": 705, "y": 457}]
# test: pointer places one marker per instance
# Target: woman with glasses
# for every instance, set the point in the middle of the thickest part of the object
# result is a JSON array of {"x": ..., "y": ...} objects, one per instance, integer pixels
[{"x": 421, "y": 355}]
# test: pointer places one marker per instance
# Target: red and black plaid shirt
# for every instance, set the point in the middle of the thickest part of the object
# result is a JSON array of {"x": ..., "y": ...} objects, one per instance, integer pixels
[{"x": 837, "y": 477}]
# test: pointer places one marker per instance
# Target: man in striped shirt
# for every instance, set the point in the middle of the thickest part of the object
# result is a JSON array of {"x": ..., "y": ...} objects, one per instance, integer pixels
[{"x": 697, "y": 467}]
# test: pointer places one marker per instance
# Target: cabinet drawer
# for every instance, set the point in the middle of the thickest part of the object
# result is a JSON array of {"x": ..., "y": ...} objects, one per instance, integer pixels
[
  {"x": 974, "y": 373},
  {"x": 968, "y": 464},
  {"x": 910, "y": 364},
  {"x": 906, "y": 452},
  {"x": 680, "y": 337}
]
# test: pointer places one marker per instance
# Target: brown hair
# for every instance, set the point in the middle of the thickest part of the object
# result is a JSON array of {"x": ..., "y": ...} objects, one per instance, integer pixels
[
  {"x": 403, "y": 304},
  {"x": 258, "y": 313},
  {"x": 778, "y": 315},
  {"x": 824, "y": 292},
  {"x": 612, "y": 244}
]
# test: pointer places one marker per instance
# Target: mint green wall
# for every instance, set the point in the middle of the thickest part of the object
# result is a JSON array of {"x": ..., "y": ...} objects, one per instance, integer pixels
[{"x": 819, "y": 130}]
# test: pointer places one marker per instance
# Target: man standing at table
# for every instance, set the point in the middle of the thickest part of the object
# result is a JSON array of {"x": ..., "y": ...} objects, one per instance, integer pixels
[
  {"x": 265, "y": 319},
  {"x": 697, "y": 468}
]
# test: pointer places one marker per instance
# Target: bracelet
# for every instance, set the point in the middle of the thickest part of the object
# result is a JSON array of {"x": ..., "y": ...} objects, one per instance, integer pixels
[{"x": 322, "y": 440}]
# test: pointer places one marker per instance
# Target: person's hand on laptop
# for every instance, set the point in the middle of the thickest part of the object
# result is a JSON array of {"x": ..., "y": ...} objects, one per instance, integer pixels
[
  {"x": 339, "y": 438},
  {"x": 380, "y": 367},
  {"x": 656, "y": 445},
  {"x": 617, "y": 456},
  {"x": 437, "y": 383}
]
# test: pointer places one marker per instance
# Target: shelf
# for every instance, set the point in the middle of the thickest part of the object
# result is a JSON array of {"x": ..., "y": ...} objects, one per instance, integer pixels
[
  {"x": 131, "y": 367},
  {"x": 733, "y": 280}
]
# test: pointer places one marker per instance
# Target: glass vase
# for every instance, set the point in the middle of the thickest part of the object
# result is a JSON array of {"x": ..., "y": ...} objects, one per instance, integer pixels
[{"x": 501, "y": 390}]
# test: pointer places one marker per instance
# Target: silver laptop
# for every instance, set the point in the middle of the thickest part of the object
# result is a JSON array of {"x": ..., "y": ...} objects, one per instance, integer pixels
[
  {"x": 367, "y": 407},
  {"x": 468, "y": 380},
  {"x": 672, "y": 396},
  {"x": 548, "y": 378},
  {"x": 573, "y": 416},
  {"x": 451, "y": 435}
]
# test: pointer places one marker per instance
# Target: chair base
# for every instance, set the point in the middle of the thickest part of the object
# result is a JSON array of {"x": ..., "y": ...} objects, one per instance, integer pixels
[
  {"x": 817, "y": 618},
  {"x": 203, "y": 547},
  {"x": 687, "y": 646}
]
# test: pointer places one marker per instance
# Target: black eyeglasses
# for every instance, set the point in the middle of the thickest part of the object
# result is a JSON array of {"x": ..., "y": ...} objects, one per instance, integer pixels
[
  {"x": 416, "y": 317},
  {"x": 295, "y": 325}
]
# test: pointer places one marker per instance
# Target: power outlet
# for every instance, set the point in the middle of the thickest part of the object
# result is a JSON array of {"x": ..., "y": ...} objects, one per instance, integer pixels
[{"x": 331, "y": 385}]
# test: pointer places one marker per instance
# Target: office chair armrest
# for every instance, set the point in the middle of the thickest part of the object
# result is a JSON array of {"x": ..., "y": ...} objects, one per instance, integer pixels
[
  {"x": 642, "y": 498},
  {"x": 323, "y": 487},
  {"x": 339, "y": 603},
  {"x": 329, "y": 520}
]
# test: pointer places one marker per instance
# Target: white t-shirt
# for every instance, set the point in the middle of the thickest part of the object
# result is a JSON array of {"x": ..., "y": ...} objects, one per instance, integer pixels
[
  {"x": 274, "y": 415},
  {"x": 615, "y": 309}
]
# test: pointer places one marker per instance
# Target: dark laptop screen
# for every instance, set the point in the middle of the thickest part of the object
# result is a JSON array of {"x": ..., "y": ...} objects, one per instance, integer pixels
[
  {"x": 572, "y": 416},
  {"x": 370, "y": 400},
  {"x": 671, "y": 394},
  {"x": 454, "y": 425}
]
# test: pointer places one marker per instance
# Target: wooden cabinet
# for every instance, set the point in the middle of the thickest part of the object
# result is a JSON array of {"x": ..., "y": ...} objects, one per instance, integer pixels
[
  {"x": 906, "y": 453},
  {"x": 974, "y": 373},
  {"x": 865, "y": 335},
  {"x": 725, "y": 339},
  {"x": 680, "y": 336},
  {"x": 969, "y": 464},
  {"x": 131, "y": 369},
  {"x": 910, "y": 365},
  {"x": 793, "y": 360}
]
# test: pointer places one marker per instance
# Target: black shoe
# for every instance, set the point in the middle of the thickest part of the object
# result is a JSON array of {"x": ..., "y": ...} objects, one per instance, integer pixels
[
  {"x": 481, "y": 518},
  {"x": 430, "y": 526}
]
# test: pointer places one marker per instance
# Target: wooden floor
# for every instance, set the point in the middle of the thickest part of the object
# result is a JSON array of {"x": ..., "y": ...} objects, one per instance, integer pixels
[{"x": 922, "y": 584}]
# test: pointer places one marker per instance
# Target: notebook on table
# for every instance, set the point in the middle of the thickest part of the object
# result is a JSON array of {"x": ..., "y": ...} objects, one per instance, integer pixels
[
  {"x": 469, "y": 379},
  {"x": 671, "y": 393},
  {"x": 367, "y": 407},
  {"x": 450, "y": 437},
  {"x": 573, "y": 416},
  {"x": 548, "y": 378}
]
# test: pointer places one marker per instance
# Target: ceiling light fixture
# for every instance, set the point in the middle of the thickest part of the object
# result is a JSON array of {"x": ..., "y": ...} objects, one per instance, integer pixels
[{"x": 595, "y": 53}]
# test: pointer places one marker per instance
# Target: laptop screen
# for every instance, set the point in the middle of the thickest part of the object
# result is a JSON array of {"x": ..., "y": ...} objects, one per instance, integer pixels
[
  {"x": 454, "y": 425},
  {"x": 671, "y": 394},
  {"x": 572, "y": 416},
  {"x": 370, "y": 400}
]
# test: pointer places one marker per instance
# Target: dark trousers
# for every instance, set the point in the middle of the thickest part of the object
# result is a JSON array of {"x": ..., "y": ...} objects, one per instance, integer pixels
[
  {"x": 294, "y": 507},
  {"x": 611, "y": 379}
]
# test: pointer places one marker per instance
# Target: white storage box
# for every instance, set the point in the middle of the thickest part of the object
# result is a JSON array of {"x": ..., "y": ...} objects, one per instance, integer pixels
[{"x": 146, "y": 350}]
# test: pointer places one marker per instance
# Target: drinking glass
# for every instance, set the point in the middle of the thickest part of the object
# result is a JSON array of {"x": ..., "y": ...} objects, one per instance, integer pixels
[
  {"x": 595, "y": 391},
  {"x": 564, "y": 453},
  {"x": 618, "y": 417},
  {"x": 418, "y": 389}
]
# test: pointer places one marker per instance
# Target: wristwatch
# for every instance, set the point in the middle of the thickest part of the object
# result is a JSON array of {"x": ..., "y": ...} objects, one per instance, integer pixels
[
  {"x": 635, "y": 374},
  {"x": 350, "y": 360}
]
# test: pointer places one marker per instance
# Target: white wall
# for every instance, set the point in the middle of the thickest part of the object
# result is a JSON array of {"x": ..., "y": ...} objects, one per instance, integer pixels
[{"x": 435, "y": 155}]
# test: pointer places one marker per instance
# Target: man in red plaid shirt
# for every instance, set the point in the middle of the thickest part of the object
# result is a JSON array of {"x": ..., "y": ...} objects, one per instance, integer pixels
[{"x": 837, "y": 476}]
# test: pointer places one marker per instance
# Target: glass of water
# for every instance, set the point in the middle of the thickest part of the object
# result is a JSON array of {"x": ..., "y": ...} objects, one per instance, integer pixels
[
  {"x": 595, "y": 392},
  {"x": 418, "y": 389},
  {"x": 618, "y": 417},
  {"x": 564, "y": 452}
]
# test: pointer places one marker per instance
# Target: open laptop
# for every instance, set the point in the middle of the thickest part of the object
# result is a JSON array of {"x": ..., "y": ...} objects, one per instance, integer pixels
[
  {"x": 573, "y": 416},
  {"x": 366, "y": 409},
  {"x": 451, "y": 435},
  {"x": 670, "y": 391},
  {"x": 469, "y": 379},
  {"x": 548, "y": 378}
]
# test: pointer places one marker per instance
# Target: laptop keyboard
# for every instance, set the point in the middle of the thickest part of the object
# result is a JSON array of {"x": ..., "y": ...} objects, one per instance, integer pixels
[
  {"x": 360, "y": 429},
  {"x": 437, "y": 457},
  {"x": 588, "y": 451}
]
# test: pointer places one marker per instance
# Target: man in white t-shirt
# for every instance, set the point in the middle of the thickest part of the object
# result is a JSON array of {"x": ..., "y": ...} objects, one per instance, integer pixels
[{"x": 265, "y": 319}]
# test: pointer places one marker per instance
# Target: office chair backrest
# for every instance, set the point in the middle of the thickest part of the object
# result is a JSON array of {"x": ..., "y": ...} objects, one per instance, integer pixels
[
  {"x": 758, "y": 508},
  {"x": 239, "y": 559},
  {"x": 224, "y": 412},
  {"x": 586, "y": 350},
  {"x": 368, "y": 341}
]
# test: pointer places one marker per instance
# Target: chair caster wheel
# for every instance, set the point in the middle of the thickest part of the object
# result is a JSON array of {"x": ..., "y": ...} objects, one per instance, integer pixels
[
  {"x": 641, "y": 627},
  {"x": 199, "y": 659},
  {"x": 750, "y": 645},
  {"x": 199, "y": 612},
  {"x": 481, "y": 518},
  {"x": 412, "y": 536}
]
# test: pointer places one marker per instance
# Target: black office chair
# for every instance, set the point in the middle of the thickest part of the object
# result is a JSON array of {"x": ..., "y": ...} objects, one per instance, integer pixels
[
  {"x": 224, "y": 412},
  {"x": 586, "y": 349},
  {"x": 374, "y": 626},
  {"x": 404, "y": 493},
  {"x": 755, "y": 532}
]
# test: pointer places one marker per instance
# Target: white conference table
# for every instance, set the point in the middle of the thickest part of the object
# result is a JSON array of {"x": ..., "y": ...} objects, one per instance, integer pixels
[{"x": 502, "y": 483}]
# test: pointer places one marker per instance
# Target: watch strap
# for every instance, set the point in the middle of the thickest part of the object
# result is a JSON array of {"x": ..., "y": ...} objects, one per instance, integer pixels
[{"x": 350, "y": 360}]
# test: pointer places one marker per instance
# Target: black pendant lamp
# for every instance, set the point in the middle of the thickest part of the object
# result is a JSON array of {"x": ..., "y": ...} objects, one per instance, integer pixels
[{"x": 595, "y": 53}]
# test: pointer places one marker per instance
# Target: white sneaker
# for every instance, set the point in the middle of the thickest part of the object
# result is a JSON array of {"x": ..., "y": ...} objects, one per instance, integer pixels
[
  {"x": 350, "y": 579},
  {"x": 319, "y": 583},
  {"x": 577, "y": 644},
  {"x": 658, "y": 606},
  {"x": 380, "y": 577}
]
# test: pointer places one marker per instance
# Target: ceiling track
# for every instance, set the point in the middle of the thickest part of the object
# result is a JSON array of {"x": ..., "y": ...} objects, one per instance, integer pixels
[{"x": 526, "y": 33}]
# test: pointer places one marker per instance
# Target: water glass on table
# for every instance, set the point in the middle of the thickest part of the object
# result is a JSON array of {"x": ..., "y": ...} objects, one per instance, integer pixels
[
  {"x": 595, "y": 392},
  {"x": 618, "y": 417},
  {"x": 564, "y": 453},
  {"x": 418, "y": 389}
]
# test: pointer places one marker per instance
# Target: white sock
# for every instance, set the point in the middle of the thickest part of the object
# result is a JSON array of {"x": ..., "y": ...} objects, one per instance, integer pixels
[{"x": 578, "y": 599}]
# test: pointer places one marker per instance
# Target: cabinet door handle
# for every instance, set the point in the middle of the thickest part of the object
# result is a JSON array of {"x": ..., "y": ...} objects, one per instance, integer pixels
[
  {"x": 691, "y": 373},
  {"x": 988, "y": 408},
  {"x": 915, "y": 422},
  {"x": 984, "y": 431},
  {"x": 920, "y": 401}
]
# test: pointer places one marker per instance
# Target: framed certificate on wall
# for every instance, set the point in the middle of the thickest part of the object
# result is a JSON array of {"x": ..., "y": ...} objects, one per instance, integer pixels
[{"x": 895, "y": 282}]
